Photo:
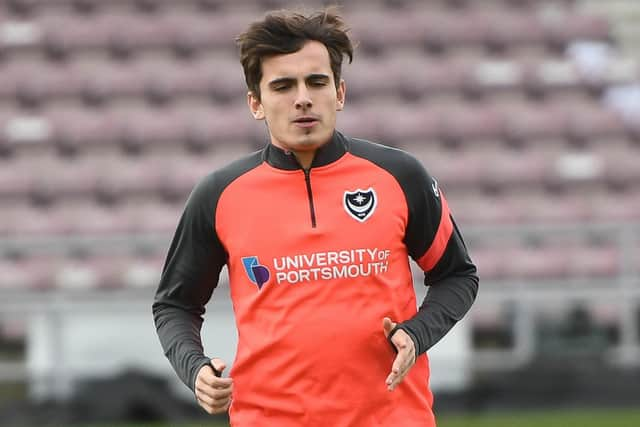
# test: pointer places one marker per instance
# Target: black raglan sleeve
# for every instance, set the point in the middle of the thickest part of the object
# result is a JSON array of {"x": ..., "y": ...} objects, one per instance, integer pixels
[
  {"x": 435, "y": 243},
  {"x": 189, "y": 276}
]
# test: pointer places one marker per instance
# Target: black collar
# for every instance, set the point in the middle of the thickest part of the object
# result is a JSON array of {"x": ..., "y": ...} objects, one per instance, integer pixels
[{"x": 328, "y": 153}]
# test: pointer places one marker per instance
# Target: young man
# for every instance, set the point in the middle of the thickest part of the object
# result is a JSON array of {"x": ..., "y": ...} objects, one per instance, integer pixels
[{"x": 316, "y": 230}]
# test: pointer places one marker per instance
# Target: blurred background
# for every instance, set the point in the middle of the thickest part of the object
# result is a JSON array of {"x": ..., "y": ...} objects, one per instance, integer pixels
[{"x": 527, "y": 112}]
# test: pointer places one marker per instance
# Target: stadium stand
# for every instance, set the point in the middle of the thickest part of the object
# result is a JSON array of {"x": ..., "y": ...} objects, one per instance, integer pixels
[{"x": 110, "y": 111}]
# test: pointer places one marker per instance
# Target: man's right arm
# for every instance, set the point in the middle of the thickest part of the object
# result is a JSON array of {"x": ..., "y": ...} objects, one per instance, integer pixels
[{"x": 190, "y": 274}]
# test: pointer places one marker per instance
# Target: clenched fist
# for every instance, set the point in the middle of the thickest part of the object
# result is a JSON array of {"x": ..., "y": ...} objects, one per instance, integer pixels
[{"x": 213, "y": 393}]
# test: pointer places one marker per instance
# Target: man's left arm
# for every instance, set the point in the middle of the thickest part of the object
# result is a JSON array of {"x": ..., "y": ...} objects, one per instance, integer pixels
[{"x": 436, "y": 244}]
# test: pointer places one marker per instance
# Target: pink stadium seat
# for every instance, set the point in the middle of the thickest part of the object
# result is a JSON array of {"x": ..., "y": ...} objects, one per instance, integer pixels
[
  {"x": 536, "y": 263},
  {"x": 442, "y": 31},
  {"x": 574, "y": 26},
  {"x": 371, "y": 76},
  {"x": 393, "y": 28},
  {"x": 101, "y": 80},
  {"x": 63, "y": 178},
  {"x": 63, "y": 34},
  {"x": 144, "y": 128},
  {"x": 495, "y": 77},
  {"x": 143, "y": 272},
  {"x": 485, "y": 209},
  {"x": 359, "y": 120},
  {"x": 119, "y": 177},
  {"x": 220, "y": 77},
  {"x": 32, "y": 82},
  {"x": 16, "y": 179},
  {"x": 490, "y": 262},
  {"x": 588, "y": 122},
  {"x": 80, "y": 130},
  {"x": 529, "y": 122},
  {"x": 621, "y": 168},
  {"x": 72, "y": 274},
  {"x": 512, "y": 168},
  {"x": 162, "y": 79},
  {"x": 85, "y": 218},
  {"x": 23, "y": 220},
  {"x": 25, "y": 274},
  {"x": 460, "y": 169},
  {"x": 594, "y": 261},
  {"x": 551, "y": 77},
  {"x": 205, "y": 126},
  {"x": 546, "y": 208},
  {"x": 109, "y": 272},
  {"x": 182, "y": 173},
  {"x": 505, "y": 29},
  {"x": 466, "y": 124},
  {"x": 189, "y": 32},
  {"x": 397, "y": 124},
  {"x": 133, "y": 32},
  {"x": 151, "y": 216},
  {"x": 416, "y": 76},
  {"x": 616, "y": 206}
]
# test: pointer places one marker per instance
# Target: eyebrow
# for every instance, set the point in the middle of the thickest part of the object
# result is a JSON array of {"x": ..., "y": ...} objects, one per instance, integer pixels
[{"x": 315, "y": 76}]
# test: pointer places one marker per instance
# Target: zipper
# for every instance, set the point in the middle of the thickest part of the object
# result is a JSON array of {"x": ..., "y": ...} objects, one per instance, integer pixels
[{"x": 307, "y": 180}]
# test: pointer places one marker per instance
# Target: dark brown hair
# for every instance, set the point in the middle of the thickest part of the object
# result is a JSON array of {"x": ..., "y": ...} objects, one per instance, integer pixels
[{"x": 286, "y": 31}]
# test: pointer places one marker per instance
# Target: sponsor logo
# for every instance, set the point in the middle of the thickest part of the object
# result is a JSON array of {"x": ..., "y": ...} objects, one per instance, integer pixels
[
  {"x": 360, "y": 204},
  {"x": 434, "y": 187},
  {"x": 331, "y": 265},
  {"x": 318, "y": 267},
  {"x": 258, "y": 274}
]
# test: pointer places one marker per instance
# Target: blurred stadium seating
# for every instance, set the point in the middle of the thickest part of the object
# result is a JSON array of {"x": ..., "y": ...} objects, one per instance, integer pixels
[{"x": 110, "y": 111}]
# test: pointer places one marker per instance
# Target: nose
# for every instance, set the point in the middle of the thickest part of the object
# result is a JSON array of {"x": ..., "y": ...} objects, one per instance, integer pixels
[{"x": 303, "y": 100}]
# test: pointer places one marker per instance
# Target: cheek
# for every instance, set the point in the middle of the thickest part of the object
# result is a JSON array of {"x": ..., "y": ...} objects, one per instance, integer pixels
[{"x": 270, "y": 115}]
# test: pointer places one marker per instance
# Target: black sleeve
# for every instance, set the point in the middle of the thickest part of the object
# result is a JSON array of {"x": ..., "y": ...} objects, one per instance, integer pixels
[
  {"x": 190, "y": 274},
  {"x": 449, "y": 272}
]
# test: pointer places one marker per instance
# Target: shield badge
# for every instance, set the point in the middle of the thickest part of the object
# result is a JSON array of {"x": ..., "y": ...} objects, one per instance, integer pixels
[{"x": 360, "y": 204}]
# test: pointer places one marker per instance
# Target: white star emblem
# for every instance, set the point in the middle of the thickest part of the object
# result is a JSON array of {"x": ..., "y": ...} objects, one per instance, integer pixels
[{"x": 359, "y": 199}]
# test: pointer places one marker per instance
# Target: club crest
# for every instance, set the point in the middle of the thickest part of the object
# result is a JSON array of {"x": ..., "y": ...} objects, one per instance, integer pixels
[{"x": 360, "y": 204}]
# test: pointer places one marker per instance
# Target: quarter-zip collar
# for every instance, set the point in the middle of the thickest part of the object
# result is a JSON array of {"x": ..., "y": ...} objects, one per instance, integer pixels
[{"x": 328, "y": 153}]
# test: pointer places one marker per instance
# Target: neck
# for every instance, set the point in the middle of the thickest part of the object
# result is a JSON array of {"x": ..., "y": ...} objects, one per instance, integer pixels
[{"x": 305, "y": 158}]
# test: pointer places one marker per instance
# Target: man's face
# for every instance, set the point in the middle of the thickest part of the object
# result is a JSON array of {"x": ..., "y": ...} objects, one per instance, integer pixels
[{"x": 299, "y": 99}]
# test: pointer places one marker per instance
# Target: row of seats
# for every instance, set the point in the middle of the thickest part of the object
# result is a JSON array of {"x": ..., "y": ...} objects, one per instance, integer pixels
[
  {"x": 548, "y": 262},
  {"x": 126, "y": 271},
  {"x": 123, "y": 34},
  {"x": 151, "y": 213},
  {"x": 28, "y": 7},
  {"x": 386, "y": 120},
  {"x": 64, "y": 273},
  {"x": 161, "y": 79},
  {"x": 32, "y": 82},
  {"x": 113, "y": 176}
]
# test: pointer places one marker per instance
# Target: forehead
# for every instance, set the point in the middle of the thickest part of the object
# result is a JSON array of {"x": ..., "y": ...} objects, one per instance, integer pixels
[{"x": 312, "y": 58}]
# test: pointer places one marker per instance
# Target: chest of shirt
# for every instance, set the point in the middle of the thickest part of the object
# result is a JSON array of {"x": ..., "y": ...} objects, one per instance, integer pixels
[
  {"x": 272, "y": 213},
  {"x": 334, "y": 237}
]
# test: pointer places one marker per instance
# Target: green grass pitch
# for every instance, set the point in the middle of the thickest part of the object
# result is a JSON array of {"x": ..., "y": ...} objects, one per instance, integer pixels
[{"x": 572, "y": 418}]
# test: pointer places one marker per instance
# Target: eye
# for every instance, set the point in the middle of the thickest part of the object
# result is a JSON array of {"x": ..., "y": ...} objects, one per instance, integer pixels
[
  {"x": 318, "y": 83},
  {"x": 280, "y": 88}
]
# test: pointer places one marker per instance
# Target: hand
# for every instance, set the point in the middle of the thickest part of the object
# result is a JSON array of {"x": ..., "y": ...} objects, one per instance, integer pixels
[
  {"x": 213, "y": 393},
  {"x": 406, "y": 356}
]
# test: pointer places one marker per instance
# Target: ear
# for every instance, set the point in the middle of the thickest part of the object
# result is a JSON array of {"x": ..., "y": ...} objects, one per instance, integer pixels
[
  {"x": 255, "y": 106},
  {"x": 340, "y": 95}
]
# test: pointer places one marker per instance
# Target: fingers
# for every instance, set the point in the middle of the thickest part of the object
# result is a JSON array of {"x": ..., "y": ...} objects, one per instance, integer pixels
[
  {"x": 400, "y": 368},
  {"x": 212, "y": 392},
  {"x": 214, "y": 408},
  {"x": 405, "y": 358}
]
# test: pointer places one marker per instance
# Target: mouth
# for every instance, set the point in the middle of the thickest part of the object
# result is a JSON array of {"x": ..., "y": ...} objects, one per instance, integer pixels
[{"x": 306, "y": 121}]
